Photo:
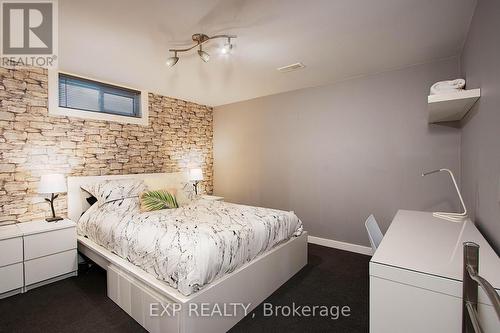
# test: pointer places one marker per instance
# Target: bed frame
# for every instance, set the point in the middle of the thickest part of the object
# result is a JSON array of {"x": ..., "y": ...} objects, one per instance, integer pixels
[{"x": 140, "y": 294}]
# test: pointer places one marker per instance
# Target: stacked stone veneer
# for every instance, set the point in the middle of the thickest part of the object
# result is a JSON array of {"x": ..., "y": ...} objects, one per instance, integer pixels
[{"x": 32, "y": 143}]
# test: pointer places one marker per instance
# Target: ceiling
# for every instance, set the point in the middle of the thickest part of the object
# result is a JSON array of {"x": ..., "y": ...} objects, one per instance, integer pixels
[{"x": 127, "y": 42}]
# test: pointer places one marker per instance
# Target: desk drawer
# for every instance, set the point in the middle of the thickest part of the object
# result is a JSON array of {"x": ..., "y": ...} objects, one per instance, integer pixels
[
  {"x": 11, "y": 277},
  {"x": 46, "y": 243},
  {"x": 11, "y": 251},
  {"x": 48, "y": 267}
]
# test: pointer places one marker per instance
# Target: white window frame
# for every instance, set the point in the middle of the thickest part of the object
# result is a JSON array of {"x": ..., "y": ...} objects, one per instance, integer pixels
[{"x": 56, "y": 110}]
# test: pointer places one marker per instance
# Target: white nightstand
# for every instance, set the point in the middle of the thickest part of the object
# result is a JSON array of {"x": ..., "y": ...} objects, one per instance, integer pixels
[
  {"x": 11, "y": 261},
  {"x": 50, "y": 252},
  {"x": 212, "y": 197}
]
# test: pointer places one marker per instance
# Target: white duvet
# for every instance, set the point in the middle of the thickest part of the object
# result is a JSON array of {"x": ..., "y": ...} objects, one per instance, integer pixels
[{"x": 191, "y": 246}]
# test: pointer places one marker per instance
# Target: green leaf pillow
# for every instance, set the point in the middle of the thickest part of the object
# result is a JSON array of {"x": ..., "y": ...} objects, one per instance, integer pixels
[{"x": 157, "y": 200}]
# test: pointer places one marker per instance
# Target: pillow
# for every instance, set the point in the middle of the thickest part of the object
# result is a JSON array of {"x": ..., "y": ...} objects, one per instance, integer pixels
[
  {"x": 184, "y": 190},
  {"x": 112, "y": 190},
  {"x": 157, "y": 200}
]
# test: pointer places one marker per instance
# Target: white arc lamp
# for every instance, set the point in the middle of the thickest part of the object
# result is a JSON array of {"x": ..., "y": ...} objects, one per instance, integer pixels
[
  {"x": 53, "y": 184},
  {"x": 454, "y": 217},
  {"x": 195, "y": 175}
]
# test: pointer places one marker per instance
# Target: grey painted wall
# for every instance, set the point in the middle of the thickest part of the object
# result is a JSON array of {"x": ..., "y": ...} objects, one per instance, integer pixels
[
  {"x": 337, "y": 153},
  {"x": 481, "y": 133}
]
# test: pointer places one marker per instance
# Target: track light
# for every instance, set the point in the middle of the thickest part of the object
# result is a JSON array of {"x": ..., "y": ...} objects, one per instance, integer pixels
[
  {"x": 203, "y": 55},
  {"x": 201, "y": 39},
  {"x": 172, "y": 60},
  {"x": 227, "y": 47}
]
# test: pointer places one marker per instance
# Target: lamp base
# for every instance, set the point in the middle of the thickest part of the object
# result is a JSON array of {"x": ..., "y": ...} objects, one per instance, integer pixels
[
  {"x": 453, "y": 217},
  {"x": 54, "y": 219}
]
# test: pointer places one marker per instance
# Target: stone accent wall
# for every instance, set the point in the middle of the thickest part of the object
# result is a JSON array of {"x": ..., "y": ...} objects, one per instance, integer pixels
[{"x": 33, "y": 143}]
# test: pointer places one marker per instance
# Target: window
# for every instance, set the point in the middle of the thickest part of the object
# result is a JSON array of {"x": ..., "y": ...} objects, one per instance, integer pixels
[
  {"x": 80, "y": 97},
  {"x": 87, "y": 95}
]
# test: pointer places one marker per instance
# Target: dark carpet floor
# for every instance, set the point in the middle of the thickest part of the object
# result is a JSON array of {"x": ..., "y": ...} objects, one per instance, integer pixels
[{"x": 332, "y": 278}]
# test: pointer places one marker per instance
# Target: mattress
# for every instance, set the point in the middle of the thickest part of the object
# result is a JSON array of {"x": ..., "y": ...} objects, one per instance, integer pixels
[{"x": 191, "y": 246}]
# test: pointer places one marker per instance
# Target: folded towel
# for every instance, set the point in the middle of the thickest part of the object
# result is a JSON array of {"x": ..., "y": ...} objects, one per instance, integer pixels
[{"x": 447, "y": 86}]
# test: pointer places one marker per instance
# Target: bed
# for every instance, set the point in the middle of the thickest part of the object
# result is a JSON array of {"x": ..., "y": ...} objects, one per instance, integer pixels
[{"x": 206, "y": 252}]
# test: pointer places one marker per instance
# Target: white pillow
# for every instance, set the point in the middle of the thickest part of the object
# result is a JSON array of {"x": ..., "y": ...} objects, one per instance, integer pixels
[{"x": 177, "y": 184}]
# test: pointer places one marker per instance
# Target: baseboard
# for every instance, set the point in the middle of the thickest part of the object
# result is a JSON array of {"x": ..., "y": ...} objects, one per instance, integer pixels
[
  {"x": 11, "y": 293},
  {"x": 340, "y": 245}
]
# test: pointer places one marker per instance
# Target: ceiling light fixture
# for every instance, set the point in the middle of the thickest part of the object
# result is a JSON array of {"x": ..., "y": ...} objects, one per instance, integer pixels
[{"x": 200, "y": 39}]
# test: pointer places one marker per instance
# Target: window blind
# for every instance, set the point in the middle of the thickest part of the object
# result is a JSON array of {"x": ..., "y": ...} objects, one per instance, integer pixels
[{"x": 88, "y": 95}]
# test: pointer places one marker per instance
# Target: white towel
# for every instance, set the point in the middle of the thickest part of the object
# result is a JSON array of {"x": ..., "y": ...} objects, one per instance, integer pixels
[{"x": 447, "y": 86}]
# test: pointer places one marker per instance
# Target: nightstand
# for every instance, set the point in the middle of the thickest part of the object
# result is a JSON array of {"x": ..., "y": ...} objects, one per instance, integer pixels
[
  {"x": 50, "y": 252},
  {"x": 11, "y": 261},
  {"x": 212, "y": 197}
]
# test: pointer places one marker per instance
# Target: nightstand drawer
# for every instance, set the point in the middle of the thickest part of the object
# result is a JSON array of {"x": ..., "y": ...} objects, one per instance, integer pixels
[
  {"x": 48, "y": 267},
  {"x": 11, "y": 251},
  {"x": 11, "y": 277},
  {"x": 46, "y": 243}
]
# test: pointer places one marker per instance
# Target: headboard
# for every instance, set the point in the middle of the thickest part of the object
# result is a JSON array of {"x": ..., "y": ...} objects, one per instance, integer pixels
[{"x": 77, "y": 202}]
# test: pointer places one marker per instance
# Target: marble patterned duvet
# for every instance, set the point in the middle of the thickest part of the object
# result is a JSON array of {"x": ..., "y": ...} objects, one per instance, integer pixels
[{"x": 191, "y": 246}]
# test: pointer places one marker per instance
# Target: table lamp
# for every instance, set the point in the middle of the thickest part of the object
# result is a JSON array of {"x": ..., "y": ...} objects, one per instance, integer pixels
[
  {"x": 195, "y": 175},
  {"x": 454, "y": 217},
  {"x": 53, "y": 184}
]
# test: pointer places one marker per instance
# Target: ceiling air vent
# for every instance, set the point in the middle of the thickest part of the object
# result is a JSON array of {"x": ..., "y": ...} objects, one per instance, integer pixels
[{"x": 292, "y": 67}]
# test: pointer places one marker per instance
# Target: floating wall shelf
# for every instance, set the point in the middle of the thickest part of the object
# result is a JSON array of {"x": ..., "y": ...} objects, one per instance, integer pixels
[{"x": 451, "y": 106}]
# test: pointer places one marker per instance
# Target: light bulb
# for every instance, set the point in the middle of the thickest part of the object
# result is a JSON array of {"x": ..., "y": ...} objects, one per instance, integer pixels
[
  {"x": 203, "y": 55},
  {"x": 226, "y": 48},
  {"x": 172, "y": 61}
]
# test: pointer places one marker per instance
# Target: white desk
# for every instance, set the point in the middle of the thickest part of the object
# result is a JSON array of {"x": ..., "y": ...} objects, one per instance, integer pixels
[{"x": 416, "y": 276}]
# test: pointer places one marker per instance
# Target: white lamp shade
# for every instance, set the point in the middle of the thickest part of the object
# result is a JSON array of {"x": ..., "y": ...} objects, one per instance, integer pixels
[
  {"x": 195, "y": 174},
  {"x": 53, "y": 183}
]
